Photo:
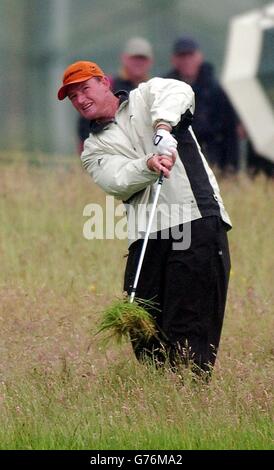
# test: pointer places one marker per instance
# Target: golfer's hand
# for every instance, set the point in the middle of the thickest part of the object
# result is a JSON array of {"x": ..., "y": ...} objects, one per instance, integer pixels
[
  {"x": 162, "y": 163},
  {"x": 164, "y": 143}
]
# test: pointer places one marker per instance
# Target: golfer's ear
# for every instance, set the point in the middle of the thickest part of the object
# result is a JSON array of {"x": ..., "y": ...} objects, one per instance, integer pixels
[{"x": 106, "y": 81}]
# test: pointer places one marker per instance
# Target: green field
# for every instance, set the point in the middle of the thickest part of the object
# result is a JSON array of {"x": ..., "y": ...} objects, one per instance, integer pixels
[{"x": 59, "y": 387}]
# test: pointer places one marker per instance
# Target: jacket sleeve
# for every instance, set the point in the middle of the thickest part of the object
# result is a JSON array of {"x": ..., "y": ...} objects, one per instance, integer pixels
[
  {"x": 167, "y": 99},
  {"x": 118, "y": 175}
]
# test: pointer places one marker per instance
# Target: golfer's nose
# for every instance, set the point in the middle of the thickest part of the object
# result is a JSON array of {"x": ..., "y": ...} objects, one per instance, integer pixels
[{"x": 80, "y": 99}]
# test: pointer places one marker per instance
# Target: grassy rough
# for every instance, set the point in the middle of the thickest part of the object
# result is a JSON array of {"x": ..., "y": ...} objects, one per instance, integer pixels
[{"x": 59, "y": 389}]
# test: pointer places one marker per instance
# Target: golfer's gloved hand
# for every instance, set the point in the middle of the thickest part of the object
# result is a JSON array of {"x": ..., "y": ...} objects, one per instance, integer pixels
[{"x": 164, "y": 142}]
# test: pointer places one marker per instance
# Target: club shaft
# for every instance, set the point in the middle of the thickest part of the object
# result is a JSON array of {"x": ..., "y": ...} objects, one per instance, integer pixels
[{"x": 151, "y": 217}]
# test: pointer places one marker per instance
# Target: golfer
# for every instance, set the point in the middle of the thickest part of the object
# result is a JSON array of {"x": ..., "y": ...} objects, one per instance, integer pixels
[{"x": 132, "y": 140}]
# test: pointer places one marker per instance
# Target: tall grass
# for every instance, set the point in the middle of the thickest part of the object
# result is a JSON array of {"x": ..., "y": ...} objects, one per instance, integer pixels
[{"x": 59, "y": 387}]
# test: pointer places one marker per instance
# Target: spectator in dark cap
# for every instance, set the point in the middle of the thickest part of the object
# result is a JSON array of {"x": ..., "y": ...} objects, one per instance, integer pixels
[
  {"x": 185, "y": 44},
  {"x": 136, "y": 62},
  {"x": 215, "y": 122}
]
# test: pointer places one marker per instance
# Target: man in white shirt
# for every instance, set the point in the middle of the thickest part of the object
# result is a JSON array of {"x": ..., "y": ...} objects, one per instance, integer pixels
[{"x": 134, "y": 137}]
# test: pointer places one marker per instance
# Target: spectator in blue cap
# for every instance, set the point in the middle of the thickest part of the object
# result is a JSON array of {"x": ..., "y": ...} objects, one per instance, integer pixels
[{"x": 215, "y": 122}]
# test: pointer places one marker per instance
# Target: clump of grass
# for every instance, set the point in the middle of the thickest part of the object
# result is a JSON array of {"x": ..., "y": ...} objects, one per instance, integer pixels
[{"x": 124, "y": 320}]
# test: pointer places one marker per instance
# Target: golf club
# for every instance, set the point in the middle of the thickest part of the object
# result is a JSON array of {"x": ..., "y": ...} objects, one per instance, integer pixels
[{"x": 152, "y": 213}]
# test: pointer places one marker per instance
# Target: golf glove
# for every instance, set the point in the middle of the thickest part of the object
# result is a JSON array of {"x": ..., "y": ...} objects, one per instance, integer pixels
[{"x": 164, "y": 142}]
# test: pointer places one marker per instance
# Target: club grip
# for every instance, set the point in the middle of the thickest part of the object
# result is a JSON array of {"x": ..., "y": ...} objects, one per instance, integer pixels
[{"x": 161, "y": 178}]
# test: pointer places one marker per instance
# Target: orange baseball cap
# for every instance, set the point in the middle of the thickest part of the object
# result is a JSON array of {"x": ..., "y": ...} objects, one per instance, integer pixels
[{"x": 78, "y": 72}]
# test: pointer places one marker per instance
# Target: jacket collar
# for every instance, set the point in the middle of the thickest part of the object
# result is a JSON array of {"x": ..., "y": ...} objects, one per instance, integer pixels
[{"x": 97, "y": 126}]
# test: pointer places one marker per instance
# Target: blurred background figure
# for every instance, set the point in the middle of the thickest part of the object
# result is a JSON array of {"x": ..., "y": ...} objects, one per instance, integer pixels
[
  {"x": 256, "y": 163},
  {"x": 215, "y": 121},
  {"x": 136, "y": 64}
]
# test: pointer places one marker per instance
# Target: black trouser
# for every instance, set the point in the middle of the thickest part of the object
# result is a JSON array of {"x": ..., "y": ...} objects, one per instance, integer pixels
[{"x": 190, "y": 288}]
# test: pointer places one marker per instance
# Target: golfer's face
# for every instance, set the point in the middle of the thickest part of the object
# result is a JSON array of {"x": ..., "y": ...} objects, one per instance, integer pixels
[{"x": 89, "y": 97}]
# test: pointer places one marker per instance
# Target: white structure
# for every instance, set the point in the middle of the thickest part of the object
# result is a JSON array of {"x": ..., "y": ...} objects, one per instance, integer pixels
[{"x": 240, "y": 76}]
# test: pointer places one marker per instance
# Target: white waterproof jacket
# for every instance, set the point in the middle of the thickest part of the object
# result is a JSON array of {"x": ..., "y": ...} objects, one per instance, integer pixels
[{"x": 116, "y": 158}]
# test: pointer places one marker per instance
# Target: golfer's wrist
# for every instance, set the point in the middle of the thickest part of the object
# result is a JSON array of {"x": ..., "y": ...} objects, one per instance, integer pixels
[
  {"x": 163, "y": 125},
  {"x": 150, "y": 162}
]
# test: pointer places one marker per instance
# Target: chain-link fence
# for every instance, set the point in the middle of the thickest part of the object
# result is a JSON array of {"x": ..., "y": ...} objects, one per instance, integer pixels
[{"x": 38, "y": 38}]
